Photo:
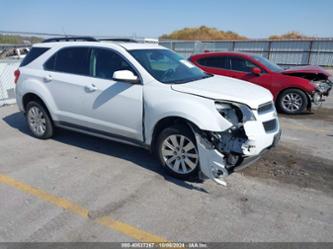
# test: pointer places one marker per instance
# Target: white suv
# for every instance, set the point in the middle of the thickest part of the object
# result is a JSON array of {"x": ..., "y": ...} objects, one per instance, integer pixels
[{"x": 148, "y": 96}]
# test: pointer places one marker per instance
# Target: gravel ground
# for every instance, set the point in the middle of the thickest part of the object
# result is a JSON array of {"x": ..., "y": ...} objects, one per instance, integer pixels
[{"x": 286, "y": 196}]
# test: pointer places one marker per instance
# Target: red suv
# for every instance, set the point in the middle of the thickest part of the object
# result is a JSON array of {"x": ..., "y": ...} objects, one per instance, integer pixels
[{"x": 294, "y": 89}]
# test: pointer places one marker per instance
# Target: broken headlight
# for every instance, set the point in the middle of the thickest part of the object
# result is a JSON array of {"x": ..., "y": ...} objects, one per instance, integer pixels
[
  {"x": 322, "y": 86},
  {"x": 235, "y": 113},
  {"x": 330, "y": 80},
  {"x": 229, "y": 112}
]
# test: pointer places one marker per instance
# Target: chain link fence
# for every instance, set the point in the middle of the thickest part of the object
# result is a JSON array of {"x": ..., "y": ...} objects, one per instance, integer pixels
[{"x": 7, "y": 86}]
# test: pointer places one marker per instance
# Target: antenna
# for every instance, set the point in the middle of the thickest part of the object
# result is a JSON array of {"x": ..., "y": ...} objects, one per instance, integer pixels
[{"x": 63, "y": 31}]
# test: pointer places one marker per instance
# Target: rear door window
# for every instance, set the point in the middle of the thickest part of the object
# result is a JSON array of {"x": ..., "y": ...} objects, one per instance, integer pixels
[
  {"x": 216, "y": 62},
  {"x": 74, "y": 60}
]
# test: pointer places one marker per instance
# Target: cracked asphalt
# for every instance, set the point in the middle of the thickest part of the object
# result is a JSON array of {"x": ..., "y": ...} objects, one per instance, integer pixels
[{"x": 76, "y": 187}]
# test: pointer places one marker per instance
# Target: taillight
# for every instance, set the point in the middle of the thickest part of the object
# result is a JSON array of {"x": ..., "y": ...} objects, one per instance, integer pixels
[{"x": 17, "y": 75}]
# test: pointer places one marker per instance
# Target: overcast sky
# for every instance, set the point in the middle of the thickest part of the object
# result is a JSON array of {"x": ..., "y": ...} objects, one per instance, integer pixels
[{"x": 255, "y": 19}]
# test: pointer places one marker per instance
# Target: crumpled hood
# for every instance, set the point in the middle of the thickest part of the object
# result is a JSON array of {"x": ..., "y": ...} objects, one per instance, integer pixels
[
  {"x": 226, "y": 88},
  {"x": 306, "y": 69}
]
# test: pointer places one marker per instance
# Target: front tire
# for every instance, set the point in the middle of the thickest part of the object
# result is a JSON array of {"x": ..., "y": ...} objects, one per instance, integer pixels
[
  {"x": 292, "y": 101},
  {"x": 39, "y": 120},
  {"x": 177, "y": 152}
]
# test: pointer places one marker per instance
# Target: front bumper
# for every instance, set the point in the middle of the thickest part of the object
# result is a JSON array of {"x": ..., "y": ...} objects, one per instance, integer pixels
[
  {"x": 217, "y": 162},
  {"x": 322, "y": 90},
  {"x": 247, "y": 161}
]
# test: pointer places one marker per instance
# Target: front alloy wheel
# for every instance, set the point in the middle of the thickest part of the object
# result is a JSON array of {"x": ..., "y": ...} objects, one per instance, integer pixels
[
  {"x": 178, "y": 153},
  {"x": 293, "y": 101}
]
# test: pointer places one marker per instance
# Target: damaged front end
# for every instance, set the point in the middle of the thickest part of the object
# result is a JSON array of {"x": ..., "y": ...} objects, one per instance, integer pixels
[
  {"x": 323, "y": 88},
  {"x": 322, "y": 82},
  {"x": 250, "y": 134}
]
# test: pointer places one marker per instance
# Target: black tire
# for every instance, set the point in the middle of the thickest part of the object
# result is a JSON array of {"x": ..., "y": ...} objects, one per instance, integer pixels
[
  {"x": 49, "y": 129},
  {"x": 300, "y": 100},
  {"x": 178, "y": 130}
]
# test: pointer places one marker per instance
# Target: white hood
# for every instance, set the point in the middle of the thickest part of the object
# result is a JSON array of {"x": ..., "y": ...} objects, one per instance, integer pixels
[{"x": 225, "y": 88}]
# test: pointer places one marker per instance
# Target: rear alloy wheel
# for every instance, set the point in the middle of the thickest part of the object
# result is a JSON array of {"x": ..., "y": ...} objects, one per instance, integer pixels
[
  {"x": 177, "y": 152},
  {"x": 292, "y": 101},
  {"x": 39, "y": 121}
]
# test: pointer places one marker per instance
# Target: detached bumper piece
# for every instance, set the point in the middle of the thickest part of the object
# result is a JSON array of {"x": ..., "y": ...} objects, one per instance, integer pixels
[{"x": 222, "y": 153}]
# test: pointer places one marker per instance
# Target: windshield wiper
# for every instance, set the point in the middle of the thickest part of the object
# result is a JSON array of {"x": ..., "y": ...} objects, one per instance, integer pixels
[
  {"x": 188, "y": 80},
  {"x": 203, "y": 77},
  {"x": 208, "y": 75},
  {"x": 179, "y": 81}
]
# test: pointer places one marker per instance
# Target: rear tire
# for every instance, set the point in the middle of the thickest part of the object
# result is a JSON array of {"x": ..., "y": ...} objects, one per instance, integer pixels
[
  {"x": 292, "y": 101},
  {"x": 177, "y": 152},
  {"x": 39, "y": 120}
]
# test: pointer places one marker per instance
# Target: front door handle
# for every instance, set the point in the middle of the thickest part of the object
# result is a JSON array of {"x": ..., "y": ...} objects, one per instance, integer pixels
[{"x": 91, "y": 88}]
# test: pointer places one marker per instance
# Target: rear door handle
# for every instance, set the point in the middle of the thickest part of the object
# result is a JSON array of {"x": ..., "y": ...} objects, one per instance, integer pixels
[
  {"x": 47, "y": 78},
  {"x": 91, "y": 88}
]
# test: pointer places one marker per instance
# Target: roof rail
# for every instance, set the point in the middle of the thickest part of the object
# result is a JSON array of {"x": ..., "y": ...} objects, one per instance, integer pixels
[
  {"x": 118, "y": 39},
  {"x": 70, "y": 38}
]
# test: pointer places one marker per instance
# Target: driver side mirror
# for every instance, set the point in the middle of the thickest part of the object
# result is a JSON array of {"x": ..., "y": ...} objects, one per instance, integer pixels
[
  {"x": 125, "y": 76},
  {"x": 256, "y": 71}
]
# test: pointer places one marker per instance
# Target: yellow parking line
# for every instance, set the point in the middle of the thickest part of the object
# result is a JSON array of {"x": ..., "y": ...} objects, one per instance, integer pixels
[
  {"x": 74, "y": 208},
  {"x": 129, "y": 230}
]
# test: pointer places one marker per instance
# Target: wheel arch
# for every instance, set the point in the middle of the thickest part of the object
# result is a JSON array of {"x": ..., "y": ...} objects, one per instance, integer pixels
[
  {"x": 167, "y": 122},
  {"x": 30, "y": 96},
  {"x": 27, "y": 97}
]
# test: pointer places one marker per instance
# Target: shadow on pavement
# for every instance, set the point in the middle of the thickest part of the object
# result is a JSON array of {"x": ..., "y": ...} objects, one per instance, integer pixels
[{"x": 139, "y": 156}]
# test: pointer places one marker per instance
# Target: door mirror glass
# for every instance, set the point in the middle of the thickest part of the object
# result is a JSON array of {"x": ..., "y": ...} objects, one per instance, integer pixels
[
  {"x": 256, "y": 70},
  {"x": 126, "y": 76}
]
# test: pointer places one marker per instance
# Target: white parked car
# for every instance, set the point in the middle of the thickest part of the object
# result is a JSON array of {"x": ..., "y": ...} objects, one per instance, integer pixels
[{"x": 148, "y": 96}]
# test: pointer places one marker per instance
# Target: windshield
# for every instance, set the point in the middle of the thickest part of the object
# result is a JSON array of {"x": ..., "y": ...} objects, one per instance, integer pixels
[
  {"x": 270, "y": 65},
  {"x": 167, "y": 66}
]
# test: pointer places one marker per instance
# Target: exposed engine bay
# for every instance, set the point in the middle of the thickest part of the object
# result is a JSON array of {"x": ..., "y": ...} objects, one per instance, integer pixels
[
  {"x": 322, "y": 82},
  {"x": 232, "y": 146},
  {"x": 319, "y": 79},
  {"x": 222, "y": 153},
  {"x": 310, "y": 76}
]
